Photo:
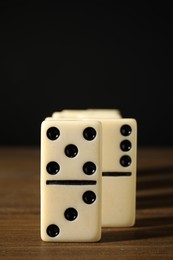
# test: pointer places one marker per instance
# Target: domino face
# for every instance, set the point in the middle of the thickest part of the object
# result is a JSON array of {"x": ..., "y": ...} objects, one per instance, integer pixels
[
  {"x": 71, "y": 180},
  {"x": 119, "y": 146}
]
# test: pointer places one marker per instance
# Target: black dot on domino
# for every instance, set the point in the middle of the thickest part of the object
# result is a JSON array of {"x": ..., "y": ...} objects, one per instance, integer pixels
[
  {"x": 89, "y": 197},
  {"x": 126, "y": 130},
  {"x": 125, "y": 145},
  {"x": 71, "y": 214},
  {"x": 53, "y": 133},
  {"x": 89, "y": 168},
  {"x": 53, "y": 230},
  {"x": 89, "y": 133},
  {"x": 71, "y": 150},
  {"x": 52, "y": 167},
  {"x": 125, "y": 161}
]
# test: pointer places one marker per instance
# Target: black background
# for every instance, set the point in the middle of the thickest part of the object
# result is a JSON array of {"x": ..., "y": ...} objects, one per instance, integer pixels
[{"x": 85, "y": 54}]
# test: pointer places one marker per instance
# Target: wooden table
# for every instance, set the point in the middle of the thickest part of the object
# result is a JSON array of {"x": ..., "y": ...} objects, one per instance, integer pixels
[{"x": 151, "y": 237}]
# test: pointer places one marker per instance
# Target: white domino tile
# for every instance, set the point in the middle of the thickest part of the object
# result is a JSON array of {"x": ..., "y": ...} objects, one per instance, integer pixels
[{"x": 71, "y": 180}]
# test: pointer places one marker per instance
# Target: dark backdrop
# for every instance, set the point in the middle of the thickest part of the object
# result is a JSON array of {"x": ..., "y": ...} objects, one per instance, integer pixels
[{"x": 85, "y": 54}]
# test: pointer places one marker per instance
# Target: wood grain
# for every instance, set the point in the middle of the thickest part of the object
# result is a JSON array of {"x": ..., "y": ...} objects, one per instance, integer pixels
[{"x": 151, "y": 237}]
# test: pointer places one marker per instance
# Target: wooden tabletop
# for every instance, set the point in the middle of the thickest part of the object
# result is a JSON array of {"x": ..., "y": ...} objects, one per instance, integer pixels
[{"x": 151, "y": 237}]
